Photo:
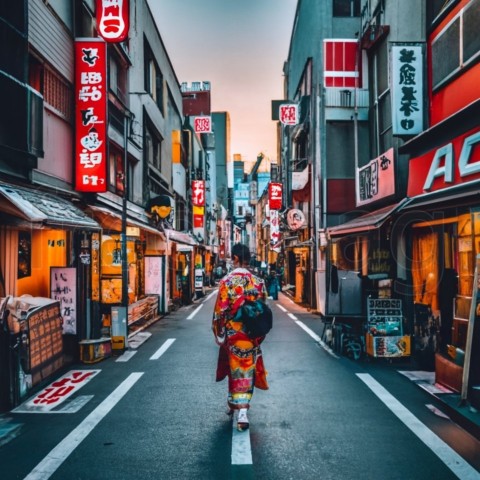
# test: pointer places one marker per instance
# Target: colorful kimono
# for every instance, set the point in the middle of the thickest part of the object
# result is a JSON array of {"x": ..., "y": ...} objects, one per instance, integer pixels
[{"x": 240, "y": 358}]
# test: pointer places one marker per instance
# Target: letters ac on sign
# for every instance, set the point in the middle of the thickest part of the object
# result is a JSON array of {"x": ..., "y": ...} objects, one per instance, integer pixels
[
  {"x": 275, "y": 196},
  {"x": 455, "y": 163},
  {"x": 113, "y": 20},
  {"x": 288, "y": 114},
  {"x": 202, "y": 124}
]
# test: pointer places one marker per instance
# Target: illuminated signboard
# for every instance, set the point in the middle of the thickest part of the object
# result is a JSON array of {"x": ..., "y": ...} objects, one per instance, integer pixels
[
  {"x": 202, "y": 124},
  {"x": 90, "y": 116},
  {"x": 407, "y": 89},
  {"x": 288, "y": 114},
  {"x": 198, "y": 193},
  {"x": 113, "y": 20},
  {"x": 275, "y": 196}
]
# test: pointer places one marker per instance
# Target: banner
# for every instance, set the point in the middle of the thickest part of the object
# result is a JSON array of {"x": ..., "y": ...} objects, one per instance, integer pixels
[{"x": 407, "y": 89}]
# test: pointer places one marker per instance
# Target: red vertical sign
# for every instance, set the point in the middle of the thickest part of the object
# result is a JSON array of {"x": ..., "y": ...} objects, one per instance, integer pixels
[
  {"x": 113, "y": 20},
  {"x": 198, "y": 193},
  {"x": 275, "y": 191},
  {"x": 90, "y": 116}
]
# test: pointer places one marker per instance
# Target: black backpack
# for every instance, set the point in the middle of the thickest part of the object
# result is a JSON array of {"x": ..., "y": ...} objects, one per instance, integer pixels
[{"x": 257, "y": 317}]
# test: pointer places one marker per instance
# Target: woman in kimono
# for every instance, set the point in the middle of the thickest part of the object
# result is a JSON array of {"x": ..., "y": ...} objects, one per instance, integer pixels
[{"x": 240, "y": 357}]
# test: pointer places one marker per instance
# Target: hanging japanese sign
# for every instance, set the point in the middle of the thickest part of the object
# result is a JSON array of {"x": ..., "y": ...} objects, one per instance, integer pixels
[
  {"x": 275, "y": 243},
  {"x": 113, "y": 20},
  {"x": 288, "y": 114},
  {"x": 198, "y": 193},
  {"x": 296, "y": 219},
  {"x": 407, "y": 89},
  {"x": 202, "y": 124},
  {"x": 275, "y": 191},
  {"x": 90, "y": 116},
  {"x": 376, "y": 180}
]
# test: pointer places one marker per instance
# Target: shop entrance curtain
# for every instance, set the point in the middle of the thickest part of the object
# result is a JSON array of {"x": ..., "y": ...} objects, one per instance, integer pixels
[{"x": 425, "y": 269}]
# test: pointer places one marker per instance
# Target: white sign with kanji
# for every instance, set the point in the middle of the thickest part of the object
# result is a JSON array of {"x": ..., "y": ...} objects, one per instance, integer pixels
[
  {"x": 288, "y": 114},
  {"x": 202, "y": 124}
]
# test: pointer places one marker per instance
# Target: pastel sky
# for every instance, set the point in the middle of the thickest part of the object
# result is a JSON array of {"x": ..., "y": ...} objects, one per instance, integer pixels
[{"x": 240, "y": 47}]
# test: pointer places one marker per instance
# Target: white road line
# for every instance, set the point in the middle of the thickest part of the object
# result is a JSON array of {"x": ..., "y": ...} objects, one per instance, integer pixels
[
  {"x": 462, "y": 469},
  {"x": 282, "y": 308},
  {"x": 47, "y": 467},
  {"x": 241, "y": 448},
  {"x": 317, "y": 339},
  {"x": 126, "y": 356},
  {"x": 162, "y": 349},
  {"x": 195, "y": 312},
  {"x": 210, "y": 296},
  {"x": 292, "y": 316}
]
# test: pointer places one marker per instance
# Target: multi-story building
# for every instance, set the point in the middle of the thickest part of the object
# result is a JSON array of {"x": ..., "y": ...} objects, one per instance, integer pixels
[
  {"x": 319, "y": 152},
  {"x": 87, "y": 200},
  {"x": 441, "y": 216}
]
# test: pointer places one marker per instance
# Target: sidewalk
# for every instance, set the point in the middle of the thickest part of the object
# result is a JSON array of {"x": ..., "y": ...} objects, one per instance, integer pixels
[{"x": 460, "y": 412}]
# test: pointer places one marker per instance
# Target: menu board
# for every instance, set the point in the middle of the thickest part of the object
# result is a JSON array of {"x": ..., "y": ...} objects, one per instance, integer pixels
[
  {"x": 45, "y": 340},
  {"x": 384, "y": 316},
  {"x": 63, "y": 288}
]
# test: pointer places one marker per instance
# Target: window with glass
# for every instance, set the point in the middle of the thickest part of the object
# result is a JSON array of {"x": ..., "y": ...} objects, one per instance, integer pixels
[
  {"x": 153, "y": 147},
  {"x": 153, "y": 78},
  {"x": 346, "y": 8}
]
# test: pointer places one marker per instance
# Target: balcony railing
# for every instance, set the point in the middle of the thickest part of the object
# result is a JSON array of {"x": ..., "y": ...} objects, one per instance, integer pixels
[
  {"x": 345, "y": 97},
  {"x": 298, "y": 164}
]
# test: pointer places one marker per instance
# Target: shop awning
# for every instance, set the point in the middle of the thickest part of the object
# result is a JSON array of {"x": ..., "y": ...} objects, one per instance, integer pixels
[
  {"x": 180, "y": 237},
  {"x": 369, "y": 221},
  {"x": 113, "y": 221},
  {"x": 463, "y": 194},
  {"x": 44, "y": 208}
]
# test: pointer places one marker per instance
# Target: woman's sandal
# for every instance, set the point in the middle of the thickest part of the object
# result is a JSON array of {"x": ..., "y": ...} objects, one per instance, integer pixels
[{"x": 242, "y": 420}]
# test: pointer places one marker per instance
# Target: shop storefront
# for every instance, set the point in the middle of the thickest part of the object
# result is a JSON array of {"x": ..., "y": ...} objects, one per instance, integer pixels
[
  {"x": 147, "y": 289},
  {"x": 364, "y": 257},
  {"x": 44, "y": 266},
  {"x": 444, "y": 235},
  {"x": 181, "y": 267}
]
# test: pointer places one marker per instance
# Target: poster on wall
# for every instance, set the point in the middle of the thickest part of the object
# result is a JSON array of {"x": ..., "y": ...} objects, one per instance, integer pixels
[
  {"x": 63, "y": 288},
  {"x": 154, "y": 276}
]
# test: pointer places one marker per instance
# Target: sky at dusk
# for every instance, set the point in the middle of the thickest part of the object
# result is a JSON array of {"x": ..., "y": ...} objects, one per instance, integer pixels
[{"x": 240, "y": 47}]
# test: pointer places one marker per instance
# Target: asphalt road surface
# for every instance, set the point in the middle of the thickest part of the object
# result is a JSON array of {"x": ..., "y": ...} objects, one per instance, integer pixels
[{"x": 156, "y": 413}]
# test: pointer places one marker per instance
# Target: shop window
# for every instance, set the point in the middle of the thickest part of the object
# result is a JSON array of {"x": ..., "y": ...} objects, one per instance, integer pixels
[
  {"x": 425, "y": 268},
  {"x": 350, "y": 254},
  {"x": 24, "y": 254}
]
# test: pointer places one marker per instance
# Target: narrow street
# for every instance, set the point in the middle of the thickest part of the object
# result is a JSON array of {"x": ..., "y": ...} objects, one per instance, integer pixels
[{"x": 156, "y": 413}]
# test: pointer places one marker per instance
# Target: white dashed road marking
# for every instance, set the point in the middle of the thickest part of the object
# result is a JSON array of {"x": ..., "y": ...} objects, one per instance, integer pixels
[{"x": 162, "y": 349}]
